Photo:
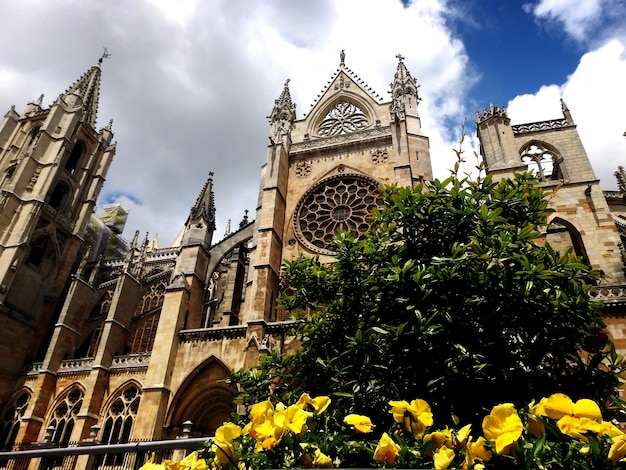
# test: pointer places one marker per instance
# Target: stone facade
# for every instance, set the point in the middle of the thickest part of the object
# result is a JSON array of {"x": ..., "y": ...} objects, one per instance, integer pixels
[{"x": 132, "y": 347}]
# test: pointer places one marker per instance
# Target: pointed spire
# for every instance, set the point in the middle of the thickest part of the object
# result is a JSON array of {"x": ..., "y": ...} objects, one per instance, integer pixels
[
  {"x": 566, "y": 114},
  {"x": 244, "y": 221},
  {"x": 403, "y": 88},
  {"x": 282, "y": 116},
  {"x": 204, "y": 208},
  {"x": 227, "y": 232},
  {"x": 85, "y": 92}
]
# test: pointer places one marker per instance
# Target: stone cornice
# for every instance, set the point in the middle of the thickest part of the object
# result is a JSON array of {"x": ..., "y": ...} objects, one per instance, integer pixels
[{"x": 358, "y": 138}]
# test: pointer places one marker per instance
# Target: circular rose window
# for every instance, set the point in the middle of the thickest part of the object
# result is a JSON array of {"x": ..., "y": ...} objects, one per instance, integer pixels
[{"x": 342, "y": 203}]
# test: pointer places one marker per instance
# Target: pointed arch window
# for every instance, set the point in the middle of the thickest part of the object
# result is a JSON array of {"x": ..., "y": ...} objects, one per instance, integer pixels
[
  {"x": 59, "y": 194},
  {"x": 11, "y": 421},
  {"x": 74, "y": 158},
  {"x": 345, "y": 117},
  {"x": 33, "y": 137},
  {"x": 38, "y": 250},
  {"x": 64, "y": 416},
  {"x": 543, "y": 160},
  {"x": 120, "y": 417},
  {"x": 118, "y": 423}
]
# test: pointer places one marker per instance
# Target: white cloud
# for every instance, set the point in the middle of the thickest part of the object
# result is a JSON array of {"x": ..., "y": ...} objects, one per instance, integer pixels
[{"x": 586, "y": 21}]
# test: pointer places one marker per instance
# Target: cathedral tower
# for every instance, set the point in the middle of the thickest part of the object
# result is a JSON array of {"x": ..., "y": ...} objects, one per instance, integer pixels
[
  {"x": 322, "y": 173},
  {"x": 553, "y": 151},
  {"x": 53, "y": 163}
]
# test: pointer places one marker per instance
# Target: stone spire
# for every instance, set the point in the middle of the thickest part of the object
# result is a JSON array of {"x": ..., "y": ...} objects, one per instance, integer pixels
[
  {"x": 85, "y": 92},
  {"x": 282, "y": 116},
  {"x": 403, "y": 92},
  {"x": 203, "y": 211},
  {"x": 566, "y": 114}
]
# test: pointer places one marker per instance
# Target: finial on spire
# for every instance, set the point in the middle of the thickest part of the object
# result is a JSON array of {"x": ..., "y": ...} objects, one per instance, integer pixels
[
  {"x": 566, "y": 114},
  {"x": 342, "y": 57},
  {"x": 105, "y": 55},
  {"x": 400, "y": 57}
]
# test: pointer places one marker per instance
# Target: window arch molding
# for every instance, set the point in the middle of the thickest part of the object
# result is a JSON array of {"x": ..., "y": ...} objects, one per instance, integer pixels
[
  {"x": 557, "y": 224},
  {"x": 75, "y": 156},
  {"x": 543, "y": 159},
  {"x": 63, "y": 413},
  {"x": 61, "y": 194},
  {"x": 11, "y": 421},
  {"x": 119, "y": 413},
  {"x": 346, "y": 97}
]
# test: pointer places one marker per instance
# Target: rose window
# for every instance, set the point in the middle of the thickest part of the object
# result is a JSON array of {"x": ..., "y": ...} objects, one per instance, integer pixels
[
  {"x": 344, "y": 118},
  {"x": 342, "y": 203}
]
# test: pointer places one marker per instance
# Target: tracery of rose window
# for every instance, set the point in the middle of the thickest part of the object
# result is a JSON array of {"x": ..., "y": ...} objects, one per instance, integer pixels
[
  {"x": 344, "y": 118},
  {"x": 341, "y": 203}
]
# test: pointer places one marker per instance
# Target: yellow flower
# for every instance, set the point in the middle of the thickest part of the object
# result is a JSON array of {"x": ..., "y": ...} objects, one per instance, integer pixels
[
  {"x": 504, "y": 426},
  {"x": 559, "y": 405},
  {"x": 443, "y": 458},
  {"x": 415, "y": 416},
  {"x": 222, "y": 447},
  {"x": 261, "y": 411},
  {"x": 152, "y": 466},
  {"x": 609, "y": 429},
  {"x": 476, "y": 451},
  {"x": 319, "y": 404},
  {"x": 361, "y": 423},
  {"x": 319, "y": 460},
  {"x": 293, "y": 418},
  {"x": 438, "y": 439},
  {"x": 268, "y": 434},
  {"x": 618, "y": 448},
  {"x": 191, "y": 462},
  {"x": 227, "y": 432},
  {"x": 574, "y": 419},
  {"x": 386, "y": 450}
]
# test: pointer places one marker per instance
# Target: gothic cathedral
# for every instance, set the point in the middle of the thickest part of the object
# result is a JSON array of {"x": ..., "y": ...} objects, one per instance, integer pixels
[{"x": 131, "y": 343}]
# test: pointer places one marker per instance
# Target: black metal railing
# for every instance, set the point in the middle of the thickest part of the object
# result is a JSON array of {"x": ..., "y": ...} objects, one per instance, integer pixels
[{"x": 90, "y": 456}]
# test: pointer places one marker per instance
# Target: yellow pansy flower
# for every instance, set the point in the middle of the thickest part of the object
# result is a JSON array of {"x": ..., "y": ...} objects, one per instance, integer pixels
[
  {"x": 192, "y": 462},
  {"x": 443, "y": 458},
  {"x": 261, "y": 411},
  {"x": 386, "y": 450},
  {"x": 476, "y": 451},
  {"x": 504, "y": 426},
  {"x": 438, "y": 439},
  {"x": 319, "y": 404},
  {"x": 609, "y": 429},
  {"x": 618, "y": 448},
  {"x": 578, "y": 427},
  {"x": 361, "y": 423},
  {"x": 152, "y": 466},
  {"x": 294, "y": 419},
  {"x": 574, "y": 419},
  {"x": 559, "y": 405},
  {"x": 268, "y": 434},
  {"x": 319, "y": 460},
  {"x": 415, "y": 416}
]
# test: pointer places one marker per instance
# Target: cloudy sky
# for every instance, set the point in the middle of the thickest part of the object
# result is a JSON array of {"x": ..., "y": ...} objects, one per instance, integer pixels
[{"x": 190, "y": 82}]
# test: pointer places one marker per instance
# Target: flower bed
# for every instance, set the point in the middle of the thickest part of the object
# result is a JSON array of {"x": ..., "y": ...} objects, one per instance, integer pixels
[{"x": 555, "y": 432}]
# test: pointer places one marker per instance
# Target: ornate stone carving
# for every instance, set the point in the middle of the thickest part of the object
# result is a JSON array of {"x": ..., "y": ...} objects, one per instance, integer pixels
[
  {"x": 303, "y": 169},
  {"x": 341, "y": 139},
  {"x": 379, "y": 156},
  {"x": 344, "y": 118},
  {"x": 540, "y": 126}
]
